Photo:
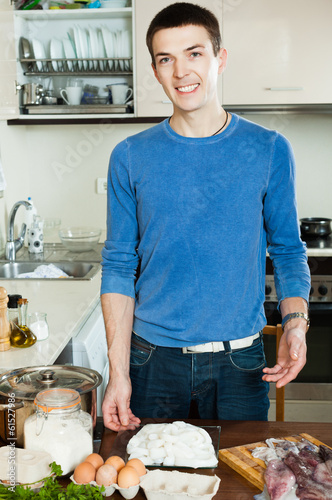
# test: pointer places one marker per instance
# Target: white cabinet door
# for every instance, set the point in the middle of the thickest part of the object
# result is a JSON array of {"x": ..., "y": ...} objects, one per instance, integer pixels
[
  {"x": 150, "y": 97},
  {"x": 8, "y": 97},
  {"x": 279, "y": 52}
]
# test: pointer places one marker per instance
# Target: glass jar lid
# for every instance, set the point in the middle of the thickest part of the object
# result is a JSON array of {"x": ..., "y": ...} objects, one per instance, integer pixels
[
  {"x": 27, "y": 382},
  {"x": 57, "y": 399}
]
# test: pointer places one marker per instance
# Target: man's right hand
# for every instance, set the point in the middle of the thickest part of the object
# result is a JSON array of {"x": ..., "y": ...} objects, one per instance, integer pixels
[{"x": 116, "y": 405}]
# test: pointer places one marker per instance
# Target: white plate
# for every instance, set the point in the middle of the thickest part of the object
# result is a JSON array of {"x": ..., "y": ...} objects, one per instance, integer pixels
[
  {"x": 69, "y": 52},
  {"x": 127, "y": 47},
  {"x": 78, "y": 46},
  {"x": 84, "y": 46},
  {"x": 94, "y": 47},
  {"x": 39, "y": 52},
  {"x": 101, "y": 48},
  {"x": 71, "y": 39},
  {"x": 108, "y": 44},
  {"x": 56, "y": 52},
  {"x": 119, "y": 36}
]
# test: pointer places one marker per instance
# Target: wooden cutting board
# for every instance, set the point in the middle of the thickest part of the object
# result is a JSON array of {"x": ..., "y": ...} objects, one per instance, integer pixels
[{"x": 241, "y": 460}]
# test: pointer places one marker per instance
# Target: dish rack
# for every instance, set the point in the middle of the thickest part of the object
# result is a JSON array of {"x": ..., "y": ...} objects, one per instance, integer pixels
[{"x": 77, "y": 66}]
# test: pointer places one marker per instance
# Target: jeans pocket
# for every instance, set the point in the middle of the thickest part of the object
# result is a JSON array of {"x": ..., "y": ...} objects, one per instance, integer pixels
[
  {"x": 140, "y": 352},
  {"x": 250, "y": 358}
]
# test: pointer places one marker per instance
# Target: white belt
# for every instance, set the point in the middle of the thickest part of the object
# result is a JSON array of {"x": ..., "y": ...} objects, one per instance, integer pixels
[{"x": 219, "y": 346}]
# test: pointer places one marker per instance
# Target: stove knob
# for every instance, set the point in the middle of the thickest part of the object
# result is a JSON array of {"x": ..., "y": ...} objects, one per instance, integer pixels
[
  {"x": 322, "y": 289},
  {"x": 268, "y": 290}
]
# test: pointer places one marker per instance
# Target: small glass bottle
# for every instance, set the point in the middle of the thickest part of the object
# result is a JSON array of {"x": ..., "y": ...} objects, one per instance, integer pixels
[
  {"x": 21, "y": 335},
  {"x": 13, "y": 308}
]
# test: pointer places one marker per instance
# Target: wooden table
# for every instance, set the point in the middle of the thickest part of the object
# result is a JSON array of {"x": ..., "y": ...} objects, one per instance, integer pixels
[{"x": 233, "y": 433}]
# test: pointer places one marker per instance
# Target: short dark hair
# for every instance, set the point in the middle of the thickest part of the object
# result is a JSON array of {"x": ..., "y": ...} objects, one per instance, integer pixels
[{"x": 182, "y": 14}]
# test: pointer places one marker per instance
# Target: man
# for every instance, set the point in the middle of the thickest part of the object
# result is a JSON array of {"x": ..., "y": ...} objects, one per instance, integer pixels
[{"x": 193, "y": 202}]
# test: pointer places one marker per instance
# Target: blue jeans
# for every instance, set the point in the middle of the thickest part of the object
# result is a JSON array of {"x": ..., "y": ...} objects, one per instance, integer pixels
[{"x": 226, "y": 385}]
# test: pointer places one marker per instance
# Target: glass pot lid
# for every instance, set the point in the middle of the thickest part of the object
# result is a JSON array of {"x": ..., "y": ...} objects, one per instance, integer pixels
[
  {"x": 27, "y": 382},
  {"x": 57, "y": 399}
]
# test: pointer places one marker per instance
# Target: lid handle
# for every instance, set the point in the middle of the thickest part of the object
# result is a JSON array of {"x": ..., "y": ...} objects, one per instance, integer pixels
[{"x": 47, "y": 377}]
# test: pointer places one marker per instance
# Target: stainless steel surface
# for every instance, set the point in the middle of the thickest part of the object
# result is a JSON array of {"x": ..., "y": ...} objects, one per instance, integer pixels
[
  {"x": 79, "y": 109},
  {"x": 13, "y": 246},
  {"x": 78, "y": 66},
  {"x": 321, "y": 289},
  {"x": 48, "y": 100},
  {"x": 30, "y": 94},
  {"x": 24, "y": 48},
  {"x": 76, "y": 270}
]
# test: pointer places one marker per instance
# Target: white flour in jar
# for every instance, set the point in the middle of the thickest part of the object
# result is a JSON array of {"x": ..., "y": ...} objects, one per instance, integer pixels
[
  {"x": 40, "y": 329},
  {"x": 65, "y": 440}
]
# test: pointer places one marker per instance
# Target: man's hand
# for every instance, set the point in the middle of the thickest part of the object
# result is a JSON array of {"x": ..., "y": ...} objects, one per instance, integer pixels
[
  {"x": 292, "y": 356},
  {"x": 116, "y": 405}
]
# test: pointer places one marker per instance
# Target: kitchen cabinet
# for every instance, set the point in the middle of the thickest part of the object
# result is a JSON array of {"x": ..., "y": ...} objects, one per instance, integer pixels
[
  {"x": 8, "y": 97},
  {"x": 279, "y": 52},
  {"x": 151, "y": 99},
  {"x": 51, "y": 68}
]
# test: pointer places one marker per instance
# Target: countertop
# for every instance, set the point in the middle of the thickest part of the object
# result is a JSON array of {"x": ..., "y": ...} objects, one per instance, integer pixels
[
  {"x": 67, "y": 303},
  {"x": 233, "y": 486}
]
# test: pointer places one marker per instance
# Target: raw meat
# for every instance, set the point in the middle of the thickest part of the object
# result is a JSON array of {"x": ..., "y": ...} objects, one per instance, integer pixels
[
  {"x": 326, "y": 454},
  {"x": 279, "y": 479},
  {"x": 308, "y": 488}
]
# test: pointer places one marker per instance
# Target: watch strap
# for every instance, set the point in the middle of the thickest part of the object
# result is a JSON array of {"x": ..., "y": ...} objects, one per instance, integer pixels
[{"x": 291, "y": 316}]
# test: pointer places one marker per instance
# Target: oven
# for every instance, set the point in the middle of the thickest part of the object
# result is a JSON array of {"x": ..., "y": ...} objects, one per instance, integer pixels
[{"x": 314, "y": 382}]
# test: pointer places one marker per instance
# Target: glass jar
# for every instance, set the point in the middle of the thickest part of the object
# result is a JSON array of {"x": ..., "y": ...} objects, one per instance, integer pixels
[{"x": 60, "y": 427}]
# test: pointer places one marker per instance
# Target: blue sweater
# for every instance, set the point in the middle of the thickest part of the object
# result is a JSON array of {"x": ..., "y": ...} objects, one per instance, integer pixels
[{"x": 197, "y": 214}]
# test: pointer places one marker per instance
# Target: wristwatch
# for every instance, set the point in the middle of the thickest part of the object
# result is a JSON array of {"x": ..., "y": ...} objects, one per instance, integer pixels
[{"x": 291, "y": 316}]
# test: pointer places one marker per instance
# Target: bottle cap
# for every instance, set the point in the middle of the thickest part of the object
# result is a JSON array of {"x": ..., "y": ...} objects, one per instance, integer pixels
[
  {"x": 12, "y": 301},
  {"x": 22, "y": 301}
]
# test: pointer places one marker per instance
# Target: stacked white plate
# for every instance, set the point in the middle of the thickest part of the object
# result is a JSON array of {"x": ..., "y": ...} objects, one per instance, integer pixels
[
  {"x": 85, "y": 44},
  {"x": 39, "y": 52}
]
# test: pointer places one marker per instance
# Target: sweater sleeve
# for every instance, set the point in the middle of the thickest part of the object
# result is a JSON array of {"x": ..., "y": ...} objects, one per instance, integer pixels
[
  {"x": 119, "y": 255},
  {"x": 286, "y": 249}
]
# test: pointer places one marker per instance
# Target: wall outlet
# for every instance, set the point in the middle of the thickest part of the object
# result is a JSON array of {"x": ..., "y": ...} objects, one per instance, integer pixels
[{"x": 101, "y": 185}]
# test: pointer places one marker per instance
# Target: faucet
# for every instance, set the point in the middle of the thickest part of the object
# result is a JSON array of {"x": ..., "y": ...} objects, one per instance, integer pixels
[{"x": 13, "y": 246}]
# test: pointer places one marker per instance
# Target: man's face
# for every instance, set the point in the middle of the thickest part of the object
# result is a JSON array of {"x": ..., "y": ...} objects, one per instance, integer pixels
[{"x": 186, "y": 66}]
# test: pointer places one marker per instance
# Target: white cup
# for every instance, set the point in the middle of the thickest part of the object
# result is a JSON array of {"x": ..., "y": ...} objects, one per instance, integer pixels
[
  {"x": 121, "y": 93},
  {"x": 73, "y": 95}
]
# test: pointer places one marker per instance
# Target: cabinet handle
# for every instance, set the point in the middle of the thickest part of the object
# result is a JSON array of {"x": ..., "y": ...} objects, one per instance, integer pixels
[
  {"x": 273, "y": 89},
  {"x": 166, "y": 102}
]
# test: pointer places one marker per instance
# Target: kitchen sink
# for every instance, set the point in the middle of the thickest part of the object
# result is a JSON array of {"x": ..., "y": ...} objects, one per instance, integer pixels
[{"x": 76, "y": 270}]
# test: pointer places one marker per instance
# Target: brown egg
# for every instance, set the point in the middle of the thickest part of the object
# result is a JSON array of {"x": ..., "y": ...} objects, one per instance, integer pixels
[
  {"x": 106, "y": 475},
  {"x": 84, "y": 473},
  {"x": 95, "y": 459},
  {"x": 128, "y": 476},
  {"x": 138, "y": 466},
  {"x": 117, "y": 462}
]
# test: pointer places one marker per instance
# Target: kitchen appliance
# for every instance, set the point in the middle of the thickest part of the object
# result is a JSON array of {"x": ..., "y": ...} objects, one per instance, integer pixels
[
  {"x": 31, "y": 94},
  {"x": 89, "y": 350},
  {"x": 314, "y": 382},
  {"x": 316, "y": 226}
]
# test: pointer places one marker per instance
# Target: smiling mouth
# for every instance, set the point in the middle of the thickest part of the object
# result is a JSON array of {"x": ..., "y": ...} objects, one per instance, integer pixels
[{"x": 188, "y": 88}]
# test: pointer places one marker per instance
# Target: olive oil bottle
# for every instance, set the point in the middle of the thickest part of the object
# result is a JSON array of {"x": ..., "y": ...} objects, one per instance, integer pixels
[{"x": 21, "y": 335}]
